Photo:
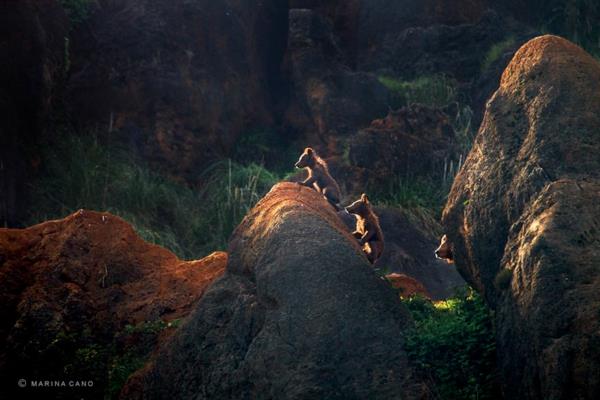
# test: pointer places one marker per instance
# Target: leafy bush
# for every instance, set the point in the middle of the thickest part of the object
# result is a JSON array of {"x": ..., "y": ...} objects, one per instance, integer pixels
[
  {"x": 453, "y": 344},
  {"x": 434, "y": 91},
  {"x": 80, "y": 172},
  {"x": 496, "y": 51}
]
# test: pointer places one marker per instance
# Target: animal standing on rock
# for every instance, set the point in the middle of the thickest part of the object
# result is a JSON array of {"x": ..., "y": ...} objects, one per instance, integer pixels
[
  {"x": 368, "y": 231},
  {"x": 319, "y": 177}
]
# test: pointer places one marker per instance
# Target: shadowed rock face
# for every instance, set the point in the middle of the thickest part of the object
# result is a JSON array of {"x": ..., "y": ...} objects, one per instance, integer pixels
[
  {"x": 180, "y": 80},
  {"x": 524, "y": 218},
  {"x": 32, "y": 52},
  {"x": 299, "y": 314},
  {"x": 412, "y": 141},
  {"x": 76, "y": 282},
  {"x": 410, "y": 241}
]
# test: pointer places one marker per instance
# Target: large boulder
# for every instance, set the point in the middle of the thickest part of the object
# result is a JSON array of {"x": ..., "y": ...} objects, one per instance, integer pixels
[
  {"x": 71, "y": 286},
  {"x": 298, "y": 314},
  {"x": 524, "y": 217}
]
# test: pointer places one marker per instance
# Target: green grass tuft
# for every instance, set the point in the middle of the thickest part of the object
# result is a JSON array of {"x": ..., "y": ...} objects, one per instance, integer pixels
[
  {"x": 496, "y": 51},
  {"x": 80, "y": 172},
  {"x": 453, "y": 344},
  {"x": 416, "y": 193},
  {"x": 433, "y": 91}
]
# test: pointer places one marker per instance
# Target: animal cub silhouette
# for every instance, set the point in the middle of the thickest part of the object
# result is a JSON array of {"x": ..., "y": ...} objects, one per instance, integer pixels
[
  {"x": 319, "y": 177},
  {"x": 368, "y": 231},
  {"x": 444, "y": 252}
]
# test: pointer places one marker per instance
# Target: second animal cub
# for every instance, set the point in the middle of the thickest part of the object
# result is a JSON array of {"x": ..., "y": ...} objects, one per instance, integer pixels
[{"x": 368, "y": 231}]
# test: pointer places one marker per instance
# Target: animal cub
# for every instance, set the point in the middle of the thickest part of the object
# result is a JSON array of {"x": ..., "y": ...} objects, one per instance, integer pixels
[
  {"x": 444, "y": 252},
  {"x": 319, "y": 177},
  {"x": 368, "y": 232}
]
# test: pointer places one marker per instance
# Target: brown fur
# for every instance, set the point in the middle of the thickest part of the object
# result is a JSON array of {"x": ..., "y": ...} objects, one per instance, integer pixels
[
  {"x": 444, "y": 252},
  {"x": 319, "y": 177},
  {"x": 368, "y": 231}
]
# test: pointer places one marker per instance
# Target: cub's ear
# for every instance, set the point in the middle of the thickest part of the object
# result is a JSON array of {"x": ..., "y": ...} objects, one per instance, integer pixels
[
  {"x": 364, "y": 198},
  {"x": 309, "y": 150}
]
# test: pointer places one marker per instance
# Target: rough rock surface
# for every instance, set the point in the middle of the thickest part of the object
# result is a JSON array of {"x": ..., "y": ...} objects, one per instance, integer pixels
[
  {"x": 328, "y": 98},
  {"x": 412, "y": 141},
  {"x": 75, "y": 282},
  {"x": 410, "y": 240},
  {"x": 407, "y": 286},
  {"x": 454, "y": 50},
  {"x": 180, "y": 80},
  {"x": 298, "y": 314},
  {"x": 524, "y": 218}
]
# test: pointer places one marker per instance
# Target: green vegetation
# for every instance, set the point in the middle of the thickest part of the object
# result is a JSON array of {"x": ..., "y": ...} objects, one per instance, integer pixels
[
  {"x": 130, "y": 351},
  {"x": 266, "y": 147},
  {"x": 80, "y": 172},
  {"x": 151, "y": 327},
  {"x": 496, "y": 51},
  {"x": 411, "y": 193},
  {"x": 453, "y": 344},
  {"x": 77, "y": 10},
  {"x": 463, "y": 128},
  {"x": 433, "y": 91}
]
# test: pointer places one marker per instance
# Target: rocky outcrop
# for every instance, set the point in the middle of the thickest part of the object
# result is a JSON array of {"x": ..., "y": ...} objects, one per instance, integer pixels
[
  {"x": 70, "y": 286},
  {"x": 524, "y": 219},
  {"x": 327, "y": 98},
  {"x": 410, "y": 240},
  {"x": 299, "y": 313},
  {"x": 410, "y": 142}
]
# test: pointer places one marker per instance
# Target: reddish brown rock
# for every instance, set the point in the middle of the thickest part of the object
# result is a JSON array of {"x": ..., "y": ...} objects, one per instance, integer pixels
[
  {"x": 412, "y": 141},
  {"x": 406, "y": 285},
  {"x": 73, "y": 284},
  {"x": 524, "y": 220}
]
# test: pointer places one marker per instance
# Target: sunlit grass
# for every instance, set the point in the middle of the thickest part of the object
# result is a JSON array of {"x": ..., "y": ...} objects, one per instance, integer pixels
[
  {"x": 80, "y": 172},
  {"x": 433, "y": 91},
  {"x": 453, "y": 344},
  {"x": 496, "y": 51}
]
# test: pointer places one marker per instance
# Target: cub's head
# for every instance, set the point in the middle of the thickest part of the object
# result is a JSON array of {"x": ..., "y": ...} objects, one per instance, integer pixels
[
  {"x": 360, "y": 207},
  {"x": 444, "y": 252},
  {"x": 307, "y": 159}
]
